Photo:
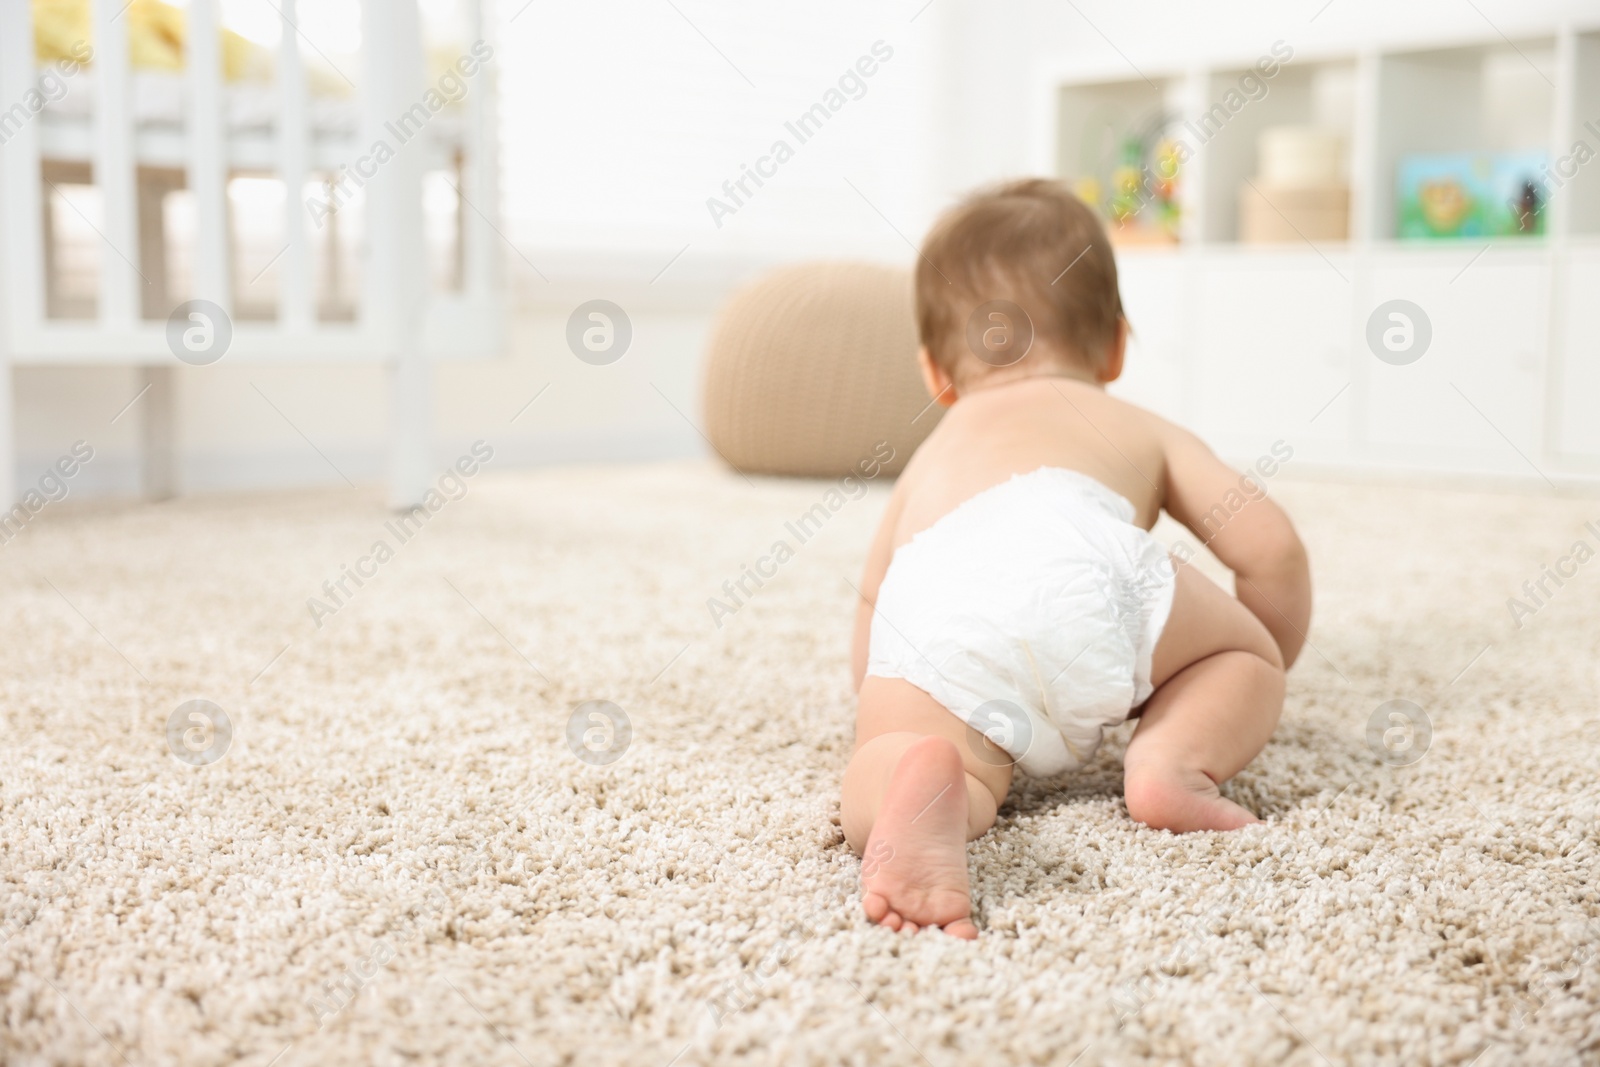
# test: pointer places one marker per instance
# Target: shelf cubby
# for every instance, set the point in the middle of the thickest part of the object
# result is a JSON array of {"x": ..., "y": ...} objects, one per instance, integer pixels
[
  {"x": 1094, "y": 120},
  {"x": 1487, "y": 98},
  {"x": 1577, "y": 148},
  {"x": 1321, "y": 95}
]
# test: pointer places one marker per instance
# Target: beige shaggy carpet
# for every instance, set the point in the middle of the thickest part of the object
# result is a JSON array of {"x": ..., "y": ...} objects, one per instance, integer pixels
[{"x": 400, "y": 859}]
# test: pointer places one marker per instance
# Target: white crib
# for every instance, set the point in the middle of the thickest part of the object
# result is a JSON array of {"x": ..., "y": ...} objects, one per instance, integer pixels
[{"x": 134, "y": 151}]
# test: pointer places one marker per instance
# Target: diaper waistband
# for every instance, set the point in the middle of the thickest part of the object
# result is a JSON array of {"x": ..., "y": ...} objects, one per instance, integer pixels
[
  {"x": 1114, "y": 503},
  {"x": 1055, "y": 482}
]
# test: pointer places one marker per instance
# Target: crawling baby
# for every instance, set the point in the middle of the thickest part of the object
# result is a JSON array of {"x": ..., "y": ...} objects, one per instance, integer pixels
[{"x": 1015, "y": 605}]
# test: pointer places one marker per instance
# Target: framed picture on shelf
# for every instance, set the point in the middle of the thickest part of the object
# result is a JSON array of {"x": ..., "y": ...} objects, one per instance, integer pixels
[{"x": 1472, "y": 195}]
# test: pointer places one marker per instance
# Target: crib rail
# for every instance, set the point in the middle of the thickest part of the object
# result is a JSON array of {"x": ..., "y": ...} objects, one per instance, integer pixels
[{"x": 396, "y": 316}]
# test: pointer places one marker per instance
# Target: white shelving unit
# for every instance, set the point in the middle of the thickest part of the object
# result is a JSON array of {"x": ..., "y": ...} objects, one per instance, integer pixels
[{"x": 1251, "y": 344}]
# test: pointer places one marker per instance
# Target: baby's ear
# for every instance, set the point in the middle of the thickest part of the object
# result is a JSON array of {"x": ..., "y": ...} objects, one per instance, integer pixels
[
  {"x": 941, "y": 387},
  {"x": 1111, "y": 369}
]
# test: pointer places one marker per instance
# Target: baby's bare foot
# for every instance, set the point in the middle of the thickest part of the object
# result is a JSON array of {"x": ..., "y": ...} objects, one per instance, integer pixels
[
  {"x": 914, "y": 868},
  {"x": 1181, "y": 801}
]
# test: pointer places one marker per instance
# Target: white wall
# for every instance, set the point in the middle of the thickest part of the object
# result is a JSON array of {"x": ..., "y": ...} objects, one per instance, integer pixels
[{"x": 620, "y": 119}]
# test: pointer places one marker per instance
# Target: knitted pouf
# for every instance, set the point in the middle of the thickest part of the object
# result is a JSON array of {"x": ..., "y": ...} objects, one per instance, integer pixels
[{"x": 813, "y": 368}]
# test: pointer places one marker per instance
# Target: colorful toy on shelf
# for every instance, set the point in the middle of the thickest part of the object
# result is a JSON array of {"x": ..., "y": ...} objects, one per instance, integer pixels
[
  {"x": 1088, "y": 190},
  {"x": 1168, "y": 163},
  {"x": 1127, "y": 192},
  {"x": 1138, "y": 195},
  {"x": 1471, "y": 195}
]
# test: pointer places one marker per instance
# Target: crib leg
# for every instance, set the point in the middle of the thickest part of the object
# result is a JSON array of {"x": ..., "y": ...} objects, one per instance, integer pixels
[
  {"x": 411, "y": 432},
  {"x": 8, "y": 440},
  {"x": 160, "y": 460}
]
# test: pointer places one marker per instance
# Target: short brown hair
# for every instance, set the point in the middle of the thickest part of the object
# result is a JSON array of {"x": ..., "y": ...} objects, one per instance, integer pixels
[{"x": 1031, "y": 243}]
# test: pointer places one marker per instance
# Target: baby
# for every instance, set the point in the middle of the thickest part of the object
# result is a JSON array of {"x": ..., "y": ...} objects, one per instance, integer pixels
[{"x": 1015, "y": 605}]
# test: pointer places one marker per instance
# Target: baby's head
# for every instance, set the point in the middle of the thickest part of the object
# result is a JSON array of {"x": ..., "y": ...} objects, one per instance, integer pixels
[{"x": 1018, "y": 280}]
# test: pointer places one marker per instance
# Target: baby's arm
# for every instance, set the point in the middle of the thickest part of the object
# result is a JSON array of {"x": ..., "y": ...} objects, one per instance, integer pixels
[
  {"x": 1257, "y": 542},
  {"x": 878, "y": 557}
]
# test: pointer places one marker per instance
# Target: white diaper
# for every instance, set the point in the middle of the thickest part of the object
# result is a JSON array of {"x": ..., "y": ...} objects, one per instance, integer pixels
[{"x": 1030, "y": 611}]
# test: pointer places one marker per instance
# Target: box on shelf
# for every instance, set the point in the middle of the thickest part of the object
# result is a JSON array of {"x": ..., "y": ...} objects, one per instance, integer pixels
[
  {"x": 1299, "y": 192},
  {"x": 1298, "y": 156},
  {"x": 1273, "y": 214}
]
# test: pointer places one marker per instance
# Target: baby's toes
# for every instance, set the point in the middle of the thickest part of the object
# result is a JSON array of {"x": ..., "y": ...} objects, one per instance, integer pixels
[{"x": 876, "y": 905}]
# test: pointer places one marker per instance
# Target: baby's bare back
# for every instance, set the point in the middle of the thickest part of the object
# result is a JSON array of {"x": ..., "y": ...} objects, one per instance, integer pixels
[{"x": 1020, "y": 426}]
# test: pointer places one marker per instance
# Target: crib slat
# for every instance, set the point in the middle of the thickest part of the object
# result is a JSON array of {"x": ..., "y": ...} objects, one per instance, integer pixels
[
  {"x": 392, "y": 81},
  {"x": 114, "y": 174},
  {"x": 207, "y": 151},
  {"x": 22, "y": 256},
  {"x": 479, "y": 258},
  {"x": 22, "y": 305},
  {"x": 295, "y": 296}
]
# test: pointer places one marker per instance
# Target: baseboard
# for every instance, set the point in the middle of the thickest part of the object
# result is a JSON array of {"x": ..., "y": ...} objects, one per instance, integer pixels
[
  {"x": 113, "y": 473},
  {"x": 116, "y": 473}
]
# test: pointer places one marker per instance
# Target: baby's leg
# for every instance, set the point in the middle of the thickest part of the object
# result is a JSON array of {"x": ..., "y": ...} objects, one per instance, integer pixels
[
  {"x": 1219, "y": 691},
  {"x": 916, "y": 791}
]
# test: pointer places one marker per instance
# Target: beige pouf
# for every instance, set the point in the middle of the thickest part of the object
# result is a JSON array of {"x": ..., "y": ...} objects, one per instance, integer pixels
[{"x": 813, "y": 368}]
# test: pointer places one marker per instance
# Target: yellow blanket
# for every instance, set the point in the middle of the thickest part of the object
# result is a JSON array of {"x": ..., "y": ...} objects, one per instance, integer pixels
[{"x": 156, "y": 33}]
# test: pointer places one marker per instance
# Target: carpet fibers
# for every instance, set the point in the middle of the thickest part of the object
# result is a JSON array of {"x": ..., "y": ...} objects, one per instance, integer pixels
[{"x": 414, "y": 839}]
